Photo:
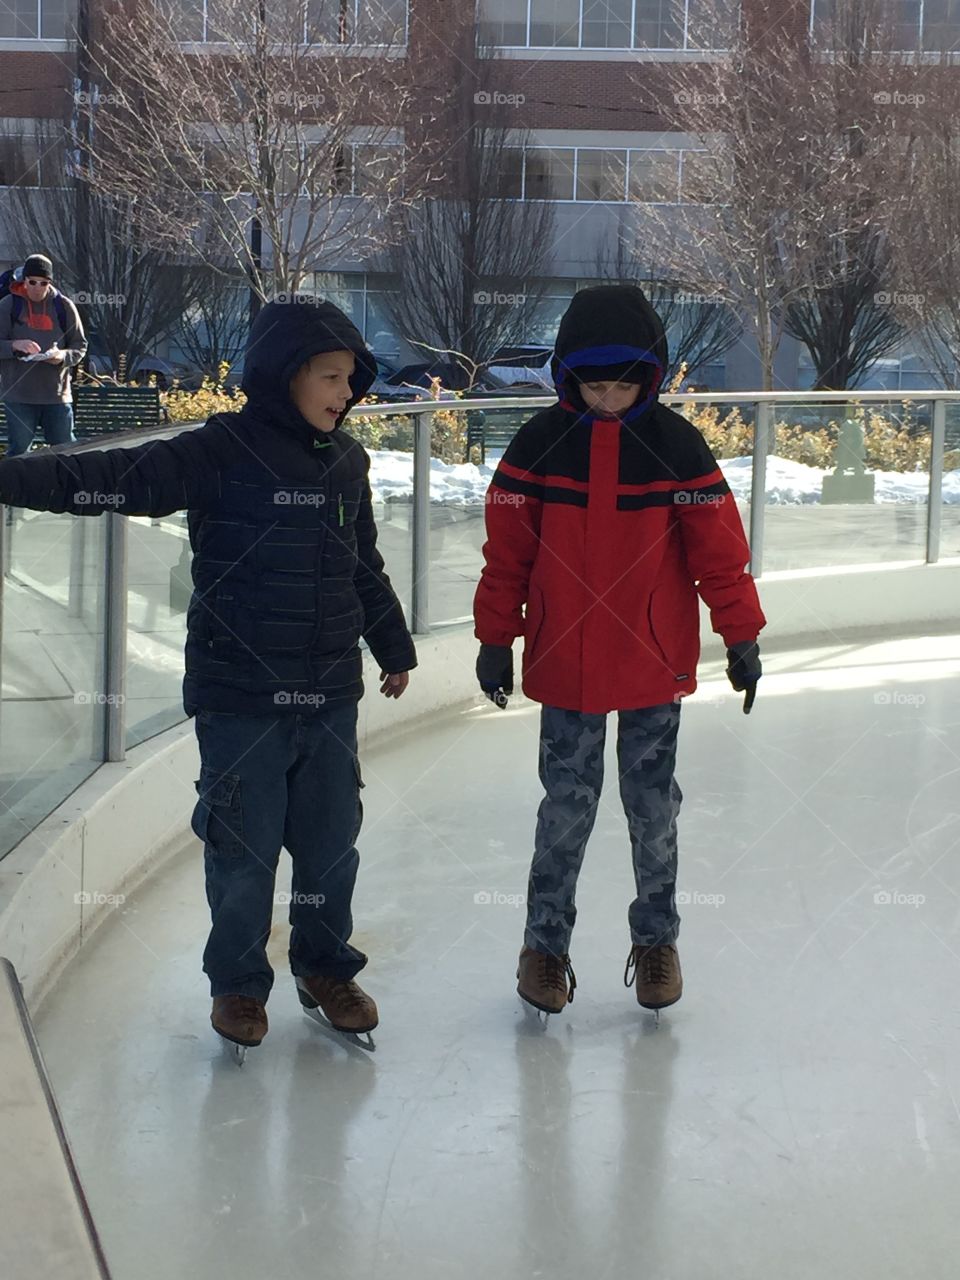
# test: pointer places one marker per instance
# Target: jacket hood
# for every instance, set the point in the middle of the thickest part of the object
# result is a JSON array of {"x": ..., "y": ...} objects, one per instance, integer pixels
[
  {"x": 285, "y": 335},
  {"x": 610, "y": 326}
]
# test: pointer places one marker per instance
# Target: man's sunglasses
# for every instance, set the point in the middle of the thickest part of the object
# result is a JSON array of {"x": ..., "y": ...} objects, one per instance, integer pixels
[{"x": 40, "y": 280}]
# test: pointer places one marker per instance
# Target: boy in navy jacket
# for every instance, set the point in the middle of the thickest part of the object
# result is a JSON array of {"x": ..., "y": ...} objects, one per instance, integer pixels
[
  {"x": 606, "y": 517},
  {"x": 287, "y": 579}
]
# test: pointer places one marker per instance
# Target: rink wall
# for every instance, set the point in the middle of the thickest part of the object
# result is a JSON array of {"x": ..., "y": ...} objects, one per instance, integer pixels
[{"x": 121, "y": 825}]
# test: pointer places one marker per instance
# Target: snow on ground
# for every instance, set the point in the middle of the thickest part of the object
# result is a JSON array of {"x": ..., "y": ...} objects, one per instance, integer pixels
[{"x": 788, "y": 483}]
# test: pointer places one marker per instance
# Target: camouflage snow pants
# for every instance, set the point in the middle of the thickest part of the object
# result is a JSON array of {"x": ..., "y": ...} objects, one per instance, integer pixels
[{"x": 571, "y": 770}]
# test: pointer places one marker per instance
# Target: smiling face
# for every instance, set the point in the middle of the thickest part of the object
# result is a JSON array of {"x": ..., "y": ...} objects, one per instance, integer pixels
[
  {"x": 321, "y": 388},
  {"x": 610, "y": 399},
  {"x": 37, "y": 288}
]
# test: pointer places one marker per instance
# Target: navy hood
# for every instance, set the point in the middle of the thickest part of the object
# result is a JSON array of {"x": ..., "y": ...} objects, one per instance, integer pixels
[
  {"x": 285, "y": 335},
  {"x": 610, "y": 333}
]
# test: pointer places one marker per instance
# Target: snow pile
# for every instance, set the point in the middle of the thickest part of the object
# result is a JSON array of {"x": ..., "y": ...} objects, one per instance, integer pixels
[{"x": 788, "y": 483}]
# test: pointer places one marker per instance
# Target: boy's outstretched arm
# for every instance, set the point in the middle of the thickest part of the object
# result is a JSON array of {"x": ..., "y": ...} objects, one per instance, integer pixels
[
  {"x": 151, "y": 479},
  {"x": 384, "y": 627}
]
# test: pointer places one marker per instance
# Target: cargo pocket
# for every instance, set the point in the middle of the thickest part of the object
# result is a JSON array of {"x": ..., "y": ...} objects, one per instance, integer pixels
[{"x": 218, "y": 817}]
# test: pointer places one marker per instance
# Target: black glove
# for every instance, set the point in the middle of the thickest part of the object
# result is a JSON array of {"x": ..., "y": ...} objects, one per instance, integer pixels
[
  {"x": 744, "y": 670},
  {"x": 495, "y": 672}
]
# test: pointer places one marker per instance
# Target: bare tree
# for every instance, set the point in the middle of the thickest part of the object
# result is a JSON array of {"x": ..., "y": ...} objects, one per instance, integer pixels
[
  {"x": 700, "y": 329},
  {"x": 840, "y": 309},
  {"x": 251, "y": 154},
  {"x": 212, "y": 332},
  {"x": 134, "y": 293},
  {"x": 471, "y": 259}
]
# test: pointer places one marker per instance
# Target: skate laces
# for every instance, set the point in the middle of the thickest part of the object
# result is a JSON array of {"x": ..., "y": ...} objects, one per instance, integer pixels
[
  {"x": 247, "y": 1007},
  {"x": 347, "y": 995},
  {"x": 648, "y": 965},
  {"x": 555, "y": 972}
]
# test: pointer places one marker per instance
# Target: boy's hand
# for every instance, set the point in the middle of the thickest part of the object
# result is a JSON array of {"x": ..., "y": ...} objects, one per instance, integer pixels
[
  {"x": 25, "y": 346},
  {"x": 744, "y": 670},
  {"x": 394, "y": 685},
  {"x": 495, "y": 672}
]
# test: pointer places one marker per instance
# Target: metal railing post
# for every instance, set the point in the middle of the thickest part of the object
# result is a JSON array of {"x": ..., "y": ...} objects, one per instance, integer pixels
[
  {"x": 758, "y": 483},
  {"x": 420, "y": 550},
  {"x": 115, "y": 638},
  {"x": 935, "y": 493}
]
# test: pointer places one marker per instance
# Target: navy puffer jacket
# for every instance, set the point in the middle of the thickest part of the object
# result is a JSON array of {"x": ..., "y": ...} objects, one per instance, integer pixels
[{"x": 287, "y": 575}]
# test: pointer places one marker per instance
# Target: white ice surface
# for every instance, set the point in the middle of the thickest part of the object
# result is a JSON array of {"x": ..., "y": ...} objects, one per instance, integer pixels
[{"x": 795, "y": 1115}]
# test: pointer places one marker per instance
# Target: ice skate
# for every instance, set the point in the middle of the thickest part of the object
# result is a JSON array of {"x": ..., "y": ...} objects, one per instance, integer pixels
[
  {"x": 655, "y": 973},
  {"x": 543, "y": 980},
  {"x": 240, "y": 1022},
  {"x": 340, "y": 1006}
]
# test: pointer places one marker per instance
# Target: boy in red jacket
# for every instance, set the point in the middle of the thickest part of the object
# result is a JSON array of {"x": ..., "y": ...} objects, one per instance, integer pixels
[{"x": 605, "y": 518}]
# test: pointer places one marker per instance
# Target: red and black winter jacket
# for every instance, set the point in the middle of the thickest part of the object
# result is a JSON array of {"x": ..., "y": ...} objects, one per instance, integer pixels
[{"x": 601, "y": 532}]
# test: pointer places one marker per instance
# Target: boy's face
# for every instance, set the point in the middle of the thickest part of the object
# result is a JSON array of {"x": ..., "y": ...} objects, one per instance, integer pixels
[
  {"x": 610, "y": 399},
  {"x": 321, "y": 388}
]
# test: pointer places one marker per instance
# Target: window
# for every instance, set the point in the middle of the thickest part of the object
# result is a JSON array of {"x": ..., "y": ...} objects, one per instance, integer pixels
[
  {"x": 554, "y": 23},
  {"x": 502, "y": 23},
  {"x": 601, "y": 175},
  {"x": 37, "y": 19},
  {"x": 19, "y": 162},
  {"x": 363, "y": 22},
  {"x": 373, "y": 166},
  {"x": 611, "y": 175},
  {"x": 607, "y": 24},
  {"x": 196, "y": 21},
  {"x": 654, "y": 176},
  {"x": 549, "y": 173},
  {"x": 931, "y": 26}
]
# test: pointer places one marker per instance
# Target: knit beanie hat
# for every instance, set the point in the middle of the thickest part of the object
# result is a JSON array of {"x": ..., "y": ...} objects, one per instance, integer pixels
[{"x": 38, "y": 265}]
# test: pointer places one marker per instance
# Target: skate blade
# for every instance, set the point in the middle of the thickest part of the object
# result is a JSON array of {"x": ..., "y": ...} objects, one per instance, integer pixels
[
  {"x": 361, "y": 1040},
  {"x": 534, "y": 1014},
  {"x": 236, "y": 1052}
]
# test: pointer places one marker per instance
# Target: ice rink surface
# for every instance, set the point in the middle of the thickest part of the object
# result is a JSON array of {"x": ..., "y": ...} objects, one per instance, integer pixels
[{"x": 794, "y": 1115}]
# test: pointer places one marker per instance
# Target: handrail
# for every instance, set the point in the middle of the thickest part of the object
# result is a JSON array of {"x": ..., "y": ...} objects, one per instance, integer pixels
[{"x": 49, "y": 1233}]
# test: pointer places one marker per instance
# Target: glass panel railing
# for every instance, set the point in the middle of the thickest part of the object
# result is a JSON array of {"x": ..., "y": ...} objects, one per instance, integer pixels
[
  {"x": 159, "y": 586},
  {"x": 388, "y": 438},
  {"x": 52, "y": 710}
]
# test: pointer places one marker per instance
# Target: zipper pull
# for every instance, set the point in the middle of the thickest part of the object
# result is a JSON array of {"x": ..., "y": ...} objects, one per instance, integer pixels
[{"x": 340, "y": 508}]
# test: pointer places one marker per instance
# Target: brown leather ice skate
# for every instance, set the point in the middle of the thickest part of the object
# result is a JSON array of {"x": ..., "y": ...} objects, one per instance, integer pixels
[
  {"x": 242, "y": 1019},
  {"x": 346, "y": 1006},
  {"x": 656, "y": 973},
  {"x": 543, "y": 980}
]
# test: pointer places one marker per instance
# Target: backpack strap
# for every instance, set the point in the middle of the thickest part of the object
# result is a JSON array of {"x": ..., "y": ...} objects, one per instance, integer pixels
[{"x": 16, "y": 306}]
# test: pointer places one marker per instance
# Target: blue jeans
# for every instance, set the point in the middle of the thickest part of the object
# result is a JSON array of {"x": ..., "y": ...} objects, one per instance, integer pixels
[
  {"x": 266, "y": 782},
  {"x": 25, "y": 420},
  {"x": 571, "y": 770}
]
